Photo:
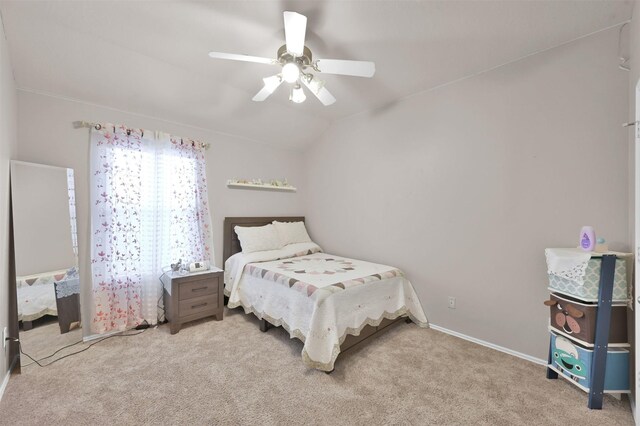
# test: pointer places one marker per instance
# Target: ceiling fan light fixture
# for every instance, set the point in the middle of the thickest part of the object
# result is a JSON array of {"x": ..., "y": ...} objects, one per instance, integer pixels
[
  {"x": 290, "y": 72},
  {"x": 297, "y": 94}
]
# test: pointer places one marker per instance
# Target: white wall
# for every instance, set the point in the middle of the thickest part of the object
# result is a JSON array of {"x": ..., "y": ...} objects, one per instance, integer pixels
[
  {"x": 46, "y": 136},
  {"x": 464, "y": 186},
  {"x": 634, "y": 82},
  {"x": 634, "y": 85},
  {"x": 634, "y": 79},
  {"x": 634, "y": 75},
  {"x": 8, "y": 141}
]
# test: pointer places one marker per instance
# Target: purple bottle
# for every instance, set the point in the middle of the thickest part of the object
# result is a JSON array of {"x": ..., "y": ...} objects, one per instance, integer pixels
[{"x": 587, "y": 238}]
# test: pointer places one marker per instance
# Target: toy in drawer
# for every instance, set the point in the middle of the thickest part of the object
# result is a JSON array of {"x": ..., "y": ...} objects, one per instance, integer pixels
[
  {"x": 574, "y": 362},
  {"x": 588, "y": 291},
  {"x": 576, "y": 319}
]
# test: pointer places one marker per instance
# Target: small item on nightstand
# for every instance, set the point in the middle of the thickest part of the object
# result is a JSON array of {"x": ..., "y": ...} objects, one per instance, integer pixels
[
  {"x": 175, "y": 267},
  {"x": 202, "y": 265},
  {"x": 587, "y": 238},
  {"x": 184, "y": 269}
]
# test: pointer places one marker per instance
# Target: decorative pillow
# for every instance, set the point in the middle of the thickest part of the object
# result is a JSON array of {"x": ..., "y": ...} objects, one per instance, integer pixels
[
  {"x": 291, "y": 232},
  {"x": 258, "y": 238}
]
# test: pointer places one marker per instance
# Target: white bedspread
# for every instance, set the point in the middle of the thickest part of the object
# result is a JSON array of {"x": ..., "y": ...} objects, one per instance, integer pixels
[
  {"x": 36, "y": 295},
  {"x": 317, "y": 297}
]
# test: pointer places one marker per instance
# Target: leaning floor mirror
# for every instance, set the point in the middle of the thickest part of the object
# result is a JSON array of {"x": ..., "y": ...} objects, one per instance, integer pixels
[{"x": 46, "y": 258}]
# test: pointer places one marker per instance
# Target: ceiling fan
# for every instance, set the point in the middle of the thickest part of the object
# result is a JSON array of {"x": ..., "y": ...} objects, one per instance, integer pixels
[{"x": 297, "y": 62}]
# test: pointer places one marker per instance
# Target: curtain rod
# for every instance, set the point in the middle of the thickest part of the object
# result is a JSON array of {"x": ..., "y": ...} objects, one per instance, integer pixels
[{"x": 87, "y": 124}]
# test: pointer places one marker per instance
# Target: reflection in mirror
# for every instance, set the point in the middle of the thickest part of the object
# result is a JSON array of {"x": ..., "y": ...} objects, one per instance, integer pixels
[{"x": 46, "y": 255}]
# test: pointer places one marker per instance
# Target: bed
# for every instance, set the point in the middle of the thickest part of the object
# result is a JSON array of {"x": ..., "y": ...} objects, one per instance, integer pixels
[
  {"x": 54, "y": 293},
  {"x": 330, "y": 303}
]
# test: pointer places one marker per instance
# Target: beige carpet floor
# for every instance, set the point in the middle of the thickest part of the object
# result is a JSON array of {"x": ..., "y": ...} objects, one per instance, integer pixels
[
  {"x": 45, "y": 338},
  {"x": 229, "y": 372}
]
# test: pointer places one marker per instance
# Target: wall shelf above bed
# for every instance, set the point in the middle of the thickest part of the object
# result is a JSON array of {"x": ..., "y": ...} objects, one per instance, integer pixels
[{"x": 263, "y": 186}]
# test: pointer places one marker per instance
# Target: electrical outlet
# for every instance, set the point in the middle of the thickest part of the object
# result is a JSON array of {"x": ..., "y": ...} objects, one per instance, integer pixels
[
  {"x": 5, "y": 334},
  {"x": 452, "y": 302}
]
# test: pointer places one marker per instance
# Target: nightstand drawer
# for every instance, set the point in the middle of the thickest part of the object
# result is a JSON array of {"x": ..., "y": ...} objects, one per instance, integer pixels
[
  {"x": 197, "y": 288},
  {"x": 198, "y": 305}
]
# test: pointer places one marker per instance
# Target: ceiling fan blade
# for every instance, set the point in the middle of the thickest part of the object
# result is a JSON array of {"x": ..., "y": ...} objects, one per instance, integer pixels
[
  {"x": 320, "y": 92},
  {"x": 343, "y": 67},
  {"x": 295, "y": 27},
  {"x": 245, "y": 58},
  {"x": 270, "y": 85},
  {"x": 325, "y": 97}
]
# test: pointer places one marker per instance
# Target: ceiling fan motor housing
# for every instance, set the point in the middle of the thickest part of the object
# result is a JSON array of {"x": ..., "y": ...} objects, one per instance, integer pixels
[{"x": 303, "y": 61}]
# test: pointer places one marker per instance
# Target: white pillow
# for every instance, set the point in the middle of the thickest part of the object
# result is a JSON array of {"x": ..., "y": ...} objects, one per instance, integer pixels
[
  {"x": 258, "y": 238},
  {"x": 291, "y": 232}
]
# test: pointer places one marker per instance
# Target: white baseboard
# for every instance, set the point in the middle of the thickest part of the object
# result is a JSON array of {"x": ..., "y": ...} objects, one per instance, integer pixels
[
  {"x": 91, "y": 337},
  {"x": 489, "y": 345},
  {"x": 5, "y": 382}
]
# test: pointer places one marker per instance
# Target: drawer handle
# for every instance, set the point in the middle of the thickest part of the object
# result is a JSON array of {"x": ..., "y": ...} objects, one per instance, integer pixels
[
  {"x": 199, "y": 289},
  {"x": 199, "y": 306}
]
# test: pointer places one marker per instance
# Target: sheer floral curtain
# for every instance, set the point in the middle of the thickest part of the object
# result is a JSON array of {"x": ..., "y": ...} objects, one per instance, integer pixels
[{"x": 149, "y": 209}]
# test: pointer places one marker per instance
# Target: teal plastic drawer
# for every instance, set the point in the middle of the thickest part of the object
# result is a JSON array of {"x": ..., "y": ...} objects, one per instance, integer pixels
[{"x": 574, "y": 362}]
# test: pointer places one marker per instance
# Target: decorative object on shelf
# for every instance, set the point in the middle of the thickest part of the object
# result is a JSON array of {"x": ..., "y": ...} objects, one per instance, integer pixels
[
  {"x": 280, "y": 183},
  {"x": 273, "y": 185},
  {"x": 587, "y": 238},
  {"x": 586, "y": 340}
]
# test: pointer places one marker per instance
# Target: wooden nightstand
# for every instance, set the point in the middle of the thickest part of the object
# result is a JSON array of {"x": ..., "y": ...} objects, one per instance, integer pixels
[{"x": 193, "y": 296}]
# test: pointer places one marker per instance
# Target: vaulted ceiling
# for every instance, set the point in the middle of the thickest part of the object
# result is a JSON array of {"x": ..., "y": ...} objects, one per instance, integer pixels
[{"x": 150, "y": 57}]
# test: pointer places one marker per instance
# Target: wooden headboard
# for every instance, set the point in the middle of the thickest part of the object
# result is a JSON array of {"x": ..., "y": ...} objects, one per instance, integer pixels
[{"x": 231, "y": 243}]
